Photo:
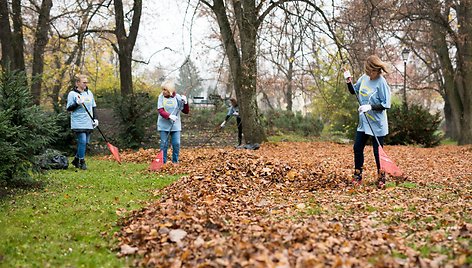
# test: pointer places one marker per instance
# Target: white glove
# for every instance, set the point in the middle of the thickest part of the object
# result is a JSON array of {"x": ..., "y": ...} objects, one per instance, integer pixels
[
  {"x": 173, "y": 117},
  {"x": 347, "y": 74},
  {"x": 364, "y": 108},
  {"x": 223, "y": 124},
  {"x": 184, "y": 99},
  {"x": 235, "y": 113},
  {"x": 95, "y": 123},
  {"x": 79, "y": 100}
]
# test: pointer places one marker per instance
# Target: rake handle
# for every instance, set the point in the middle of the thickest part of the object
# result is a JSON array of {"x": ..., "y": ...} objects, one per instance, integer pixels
[{"x": 91, "y": 117}]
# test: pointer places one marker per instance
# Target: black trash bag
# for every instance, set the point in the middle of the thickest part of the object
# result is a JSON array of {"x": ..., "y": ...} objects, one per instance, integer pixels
[
  {"x": 253, "y": 146},
  {"x": 52, "y": 159}
]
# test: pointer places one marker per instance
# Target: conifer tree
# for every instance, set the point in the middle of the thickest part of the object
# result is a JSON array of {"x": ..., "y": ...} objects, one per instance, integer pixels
[
  {"x": 25, "y": 129},
  {"x": 189, "y": 81}
]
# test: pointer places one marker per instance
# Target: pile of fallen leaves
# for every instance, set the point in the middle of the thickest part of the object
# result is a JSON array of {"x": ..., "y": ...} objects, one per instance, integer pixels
[{"x": 292, "y": 205}]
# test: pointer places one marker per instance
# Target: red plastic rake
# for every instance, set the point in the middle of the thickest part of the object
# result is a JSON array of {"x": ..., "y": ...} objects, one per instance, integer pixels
[{"x": 113, "y": 149}]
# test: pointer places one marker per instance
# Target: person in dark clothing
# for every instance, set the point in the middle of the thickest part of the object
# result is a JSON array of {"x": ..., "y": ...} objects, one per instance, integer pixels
[{"x": 233, "y": 110}]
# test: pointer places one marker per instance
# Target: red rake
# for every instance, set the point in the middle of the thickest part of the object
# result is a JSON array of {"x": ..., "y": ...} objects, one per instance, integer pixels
[
  {"x": 158, "y": 162},
  {"x": 387, "y": 165},
  {"x": 113, "y": 149}
]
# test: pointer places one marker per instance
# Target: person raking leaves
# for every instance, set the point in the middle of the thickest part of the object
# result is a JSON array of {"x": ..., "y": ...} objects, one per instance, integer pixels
[
  {"x": 374, "y": 98},
  {"x": 79, "y": 100},
  {"x": 233, "y": 110},
  {"x": 169, "y": 106}
]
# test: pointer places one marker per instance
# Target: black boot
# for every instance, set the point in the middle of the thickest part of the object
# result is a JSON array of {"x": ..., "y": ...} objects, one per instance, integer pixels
[
  {"x": 82, "y": 164},
  {"x": 75, "y": 162},
  {"x": 382, "y": 180},
  {"x": 357, "y": 177}
]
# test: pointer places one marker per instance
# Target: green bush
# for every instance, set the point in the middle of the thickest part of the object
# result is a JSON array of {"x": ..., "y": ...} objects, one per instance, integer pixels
[
  {"x": 207, "y": 117},
  {"x": 135, "y": 116},
  {"x": 343, "y": 123},
  {"x": 338, "y": 110},
  {"x": 66, "y": 141},
  {"x": 25, "y": 129},
  {"x": 415, "y": 126},
  {"x": 288, "y": 122}
]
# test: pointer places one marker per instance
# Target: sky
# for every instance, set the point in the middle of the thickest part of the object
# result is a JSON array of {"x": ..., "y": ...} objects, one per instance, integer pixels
[{"x": 167, "y": 36}]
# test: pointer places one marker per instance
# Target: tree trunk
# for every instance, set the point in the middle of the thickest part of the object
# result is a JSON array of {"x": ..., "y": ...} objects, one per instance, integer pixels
[
  {"x": 17, "y": 37},
  {"x": 458, "y": 78},
  {"x": 56, "y": 89},
  {"x": 41, "y": 40},
  {"x": 450, "y": 92},
  {"x": 267, "y": 100},
  {"x": 464, "y": 61},
  {"x": 451, "y": 127},
  {"x": 248, "y": 34},
  {"x": 5, "y": 36},
  {"x": 126, "y": 77},
  {"x": 289, "y": 92},
  {"x": 126, "y": 43},
  {"x": 243, "y": 68}
]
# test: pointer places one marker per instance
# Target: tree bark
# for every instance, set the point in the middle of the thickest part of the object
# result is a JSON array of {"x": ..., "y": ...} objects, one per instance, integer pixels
[
  {"x": 248, "y": 34},
  {"x": 243, "y": 66},
  {"x": 458, "y": 78},
  {"x": 289, "y": 92},
  {"x": 126, "y": 43},
  {"x": 464, "y": 61},
  {"x": 17, "y": 37},
  {"x": 6, "y": 36},
  {"x": 41, "y": 40},
  {"x": 453, "y": 99}
]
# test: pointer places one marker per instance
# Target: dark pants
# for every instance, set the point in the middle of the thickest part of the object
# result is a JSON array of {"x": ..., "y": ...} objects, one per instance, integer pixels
[
  {"x": 359, "y": 145},
  {"x": 240, "y": 130}
]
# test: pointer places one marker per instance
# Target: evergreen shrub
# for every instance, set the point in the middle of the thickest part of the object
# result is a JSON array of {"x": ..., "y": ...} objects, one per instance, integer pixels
[
  {"x": 206, "y": 117},
  {"x": 135, "y": 114},
  {"x": 66, "y": 141},
  {"x": 289, "y": 122},
  {"x": 415, "y": 126},
  {"x": 25, "y": 129}
]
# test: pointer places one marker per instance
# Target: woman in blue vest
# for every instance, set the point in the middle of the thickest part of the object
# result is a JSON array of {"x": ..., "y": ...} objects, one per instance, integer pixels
[
  {"x": 374, "y": 97},
  {"x": 170, "y": 105},
  {"x": 81, "y": 123}
]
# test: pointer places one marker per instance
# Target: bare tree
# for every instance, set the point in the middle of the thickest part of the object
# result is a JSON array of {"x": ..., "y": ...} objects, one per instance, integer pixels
[
  {"x": 453, "y": 48},
  {"x": 126, "y": 43},
  {"x": 5, "y": 35},
  {"x": 18, "y": 39},
  {"x": 438, "y": 32},
  {"x": 68, "y": 49},
  {"x": 240, "y": 43},
  {"x": 12, "y": 42},
  {"x": 41, "y": 40},
  {"x": 285, "y": 38}
]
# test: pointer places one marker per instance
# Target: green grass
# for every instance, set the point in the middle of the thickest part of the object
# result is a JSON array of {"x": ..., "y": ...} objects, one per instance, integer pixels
[
  {"x": 314, "y": 210},
  {"x": 408, "y": 185},
  {"x": 448, "y": 142},
  {"x": 289, "y": 137},
  {"x": 70, "y": 222}
]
